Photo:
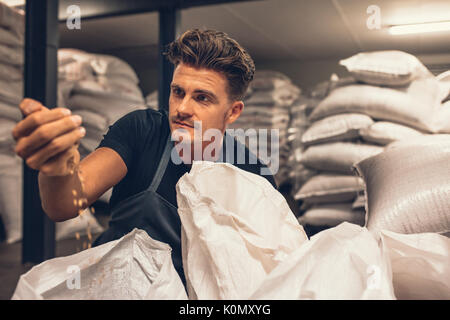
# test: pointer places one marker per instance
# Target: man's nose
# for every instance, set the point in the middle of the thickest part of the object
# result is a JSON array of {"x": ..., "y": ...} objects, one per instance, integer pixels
[{"x": 185, "y": 107}]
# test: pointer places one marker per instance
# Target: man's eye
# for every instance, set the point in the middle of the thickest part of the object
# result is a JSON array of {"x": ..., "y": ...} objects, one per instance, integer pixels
[
  {"x": 177, "y": 91},
  {"x": 203, "y": 98}
]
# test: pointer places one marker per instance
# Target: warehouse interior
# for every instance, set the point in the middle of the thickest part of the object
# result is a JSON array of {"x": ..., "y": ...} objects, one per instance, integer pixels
[{"x": 298, "y": 46}]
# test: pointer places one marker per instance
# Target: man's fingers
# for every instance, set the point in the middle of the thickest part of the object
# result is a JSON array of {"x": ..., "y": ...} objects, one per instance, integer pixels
[
  {"x": 28, "y": 106},
  {"x": 45, "y": 133},
  {"x": 56, "y": 146},
  {"x": 61, "y": 164},
  {"x": 36, "y": 119}
]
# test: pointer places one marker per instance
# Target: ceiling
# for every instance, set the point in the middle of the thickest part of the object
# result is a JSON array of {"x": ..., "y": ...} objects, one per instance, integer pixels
[{"x": 274, "y": 29}]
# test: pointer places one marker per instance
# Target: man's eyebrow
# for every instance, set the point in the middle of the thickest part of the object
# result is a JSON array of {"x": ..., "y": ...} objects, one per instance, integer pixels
[{"x": 175, "y": 86}]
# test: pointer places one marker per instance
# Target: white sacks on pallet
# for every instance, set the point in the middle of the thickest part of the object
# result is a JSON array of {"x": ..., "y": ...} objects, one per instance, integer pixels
[
  {"x": 408, "y": 187},
  {"x": 234, "y": 232},
  {"x": 342, "y": 263},
  {"x": 338, "y": 157},
  {"x": 132, "y": 267}
]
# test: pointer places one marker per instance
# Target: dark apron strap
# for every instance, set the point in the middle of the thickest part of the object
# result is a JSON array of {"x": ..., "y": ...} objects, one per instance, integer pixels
[{"x": 162, "y": 165}]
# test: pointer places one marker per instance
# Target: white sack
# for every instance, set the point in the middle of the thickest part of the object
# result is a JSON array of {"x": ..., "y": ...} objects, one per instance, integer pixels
[
  {"x": 340, "y": 263},
  {"x": 10, "y": 72},
  {"x": 10, "y": 38},
  {"x": 112, "y": 109},
  {"x": 6, "y": 138},
  {"x": 10, "y": 55},
  {"x": 390, "y": 67},
  {"x": 234, "y": 232},
  {"x": 332, "y": 214},
  {"x": 12, "y": 19},
  {"x": 93, "y": 120},
  {"x": 325, "y": 188},
  {"x": 441, "y": 119},
  {"x": 336, "y": 128},
  {"x": 11, "y": 196},
  {"x": 132, "y": 267},
  {"x": 420, "y": 265},
  {"x": 337, "y": 157},
  {"x": 96, "y": 64},
  {"x": 408, "y": 188},
  {"x": 414, "y": 105},
  {"x": 360, "y": 202},
  {"x": 10, "y": 111},
  {"x": 109, "y": 89},
  {"x": 385, "y": 132}
]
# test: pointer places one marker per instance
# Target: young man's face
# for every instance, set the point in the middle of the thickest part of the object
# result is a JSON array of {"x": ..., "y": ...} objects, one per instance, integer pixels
[{"x": 200, "y": 95}]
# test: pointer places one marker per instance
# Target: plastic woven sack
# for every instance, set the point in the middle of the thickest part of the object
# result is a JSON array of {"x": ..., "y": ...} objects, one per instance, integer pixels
[
  {"x": 344, "y": 262},
  {"x": 234, "y": 232},
  {"x": 325, "y": 188},
  {"x": 385, "y": 132},
  {"x": 414, "y": 105},
  {"x": 336, "y": 128},
  {"x": 420, "y": 265},
  {"x": 408, "y": 188},
  {"x": 332, "y": 214},
  {"x": 337, "y": 157},
  {"x": 390, "y": 67},
  {"x": 132, "y": 267}
]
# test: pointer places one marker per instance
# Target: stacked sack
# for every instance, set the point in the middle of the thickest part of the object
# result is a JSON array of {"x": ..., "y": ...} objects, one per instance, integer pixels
[
  {"x": 267, "y": 106},
  {"x": 99, "y": 88},
  {"x": 392, "y": 97},
  {"x": 151, "y": 100},
  {"x": 12, "y": 25}
]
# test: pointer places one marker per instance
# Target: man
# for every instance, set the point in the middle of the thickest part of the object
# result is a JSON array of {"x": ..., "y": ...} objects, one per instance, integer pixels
[{"x": 212, "y": 73}]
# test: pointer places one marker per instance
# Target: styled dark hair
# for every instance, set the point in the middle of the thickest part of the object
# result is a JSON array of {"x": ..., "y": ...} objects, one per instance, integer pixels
[{"x": 214, "y": 50}]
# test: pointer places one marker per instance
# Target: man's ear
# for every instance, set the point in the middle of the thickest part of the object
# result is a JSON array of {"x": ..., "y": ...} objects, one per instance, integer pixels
[{"x": 235, "y": 111}]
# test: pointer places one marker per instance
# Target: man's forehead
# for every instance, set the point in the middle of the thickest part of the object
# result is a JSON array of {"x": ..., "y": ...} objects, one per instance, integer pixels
[{"x": 192, "y": 78}]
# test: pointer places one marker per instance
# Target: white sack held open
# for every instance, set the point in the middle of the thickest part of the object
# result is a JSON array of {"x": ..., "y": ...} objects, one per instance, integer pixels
[
  {"x": 133, "y": 267},
  {"x": 236, "y": 229}
]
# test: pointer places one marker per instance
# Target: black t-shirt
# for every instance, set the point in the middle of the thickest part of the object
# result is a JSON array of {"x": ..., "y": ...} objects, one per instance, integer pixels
[{"x": 139, "y": 138}]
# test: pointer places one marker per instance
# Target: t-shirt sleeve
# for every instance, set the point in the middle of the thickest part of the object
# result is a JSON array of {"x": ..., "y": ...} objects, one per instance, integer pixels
[{"x": 123, "y": 136}]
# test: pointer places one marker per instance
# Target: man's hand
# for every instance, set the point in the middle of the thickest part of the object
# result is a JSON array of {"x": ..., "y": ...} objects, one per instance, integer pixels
[{"x": 48, "y": 139}]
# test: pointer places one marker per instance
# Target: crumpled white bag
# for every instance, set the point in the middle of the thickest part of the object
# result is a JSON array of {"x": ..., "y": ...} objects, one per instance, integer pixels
[
  {"x": 344, "y": 262},
  {"x": 420, "y": 264},
  {"x": 236, "y": 229},
  {"x": 132, "y": 267}
]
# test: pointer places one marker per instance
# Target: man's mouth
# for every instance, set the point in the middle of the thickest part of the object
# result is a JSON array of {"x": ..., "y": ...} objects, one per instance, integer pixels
[{"x": 183, "y": 124}]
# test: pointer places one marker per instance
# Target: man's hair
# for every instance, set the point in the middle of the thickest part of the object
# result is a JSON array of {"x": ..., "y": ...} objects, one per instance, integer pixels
[{"x": 214, "y": 50}]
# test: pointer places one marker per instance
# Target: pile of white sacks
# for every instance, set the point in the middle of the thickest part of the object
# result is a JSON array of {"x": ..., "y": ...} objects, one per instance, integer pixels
[
  {"x": 390, "y": 97},
  {"x": 99, "y": 88},
  {"x": 12, "y": 26},
  {"x": 400, "y": 255},
  {"x": 268, "y": 101}
]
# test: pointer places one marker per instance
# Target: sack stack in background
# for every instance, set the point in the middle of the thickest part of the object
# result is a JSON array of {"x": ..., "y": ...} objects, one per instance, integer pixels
[
  {"x": 151, "y": 100},
  {"x": 267, "y": 106},
  {"x": 100, "y": 88},
  {"x": 12, "y": 26},
  {"x": 392, "y": 97}
]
